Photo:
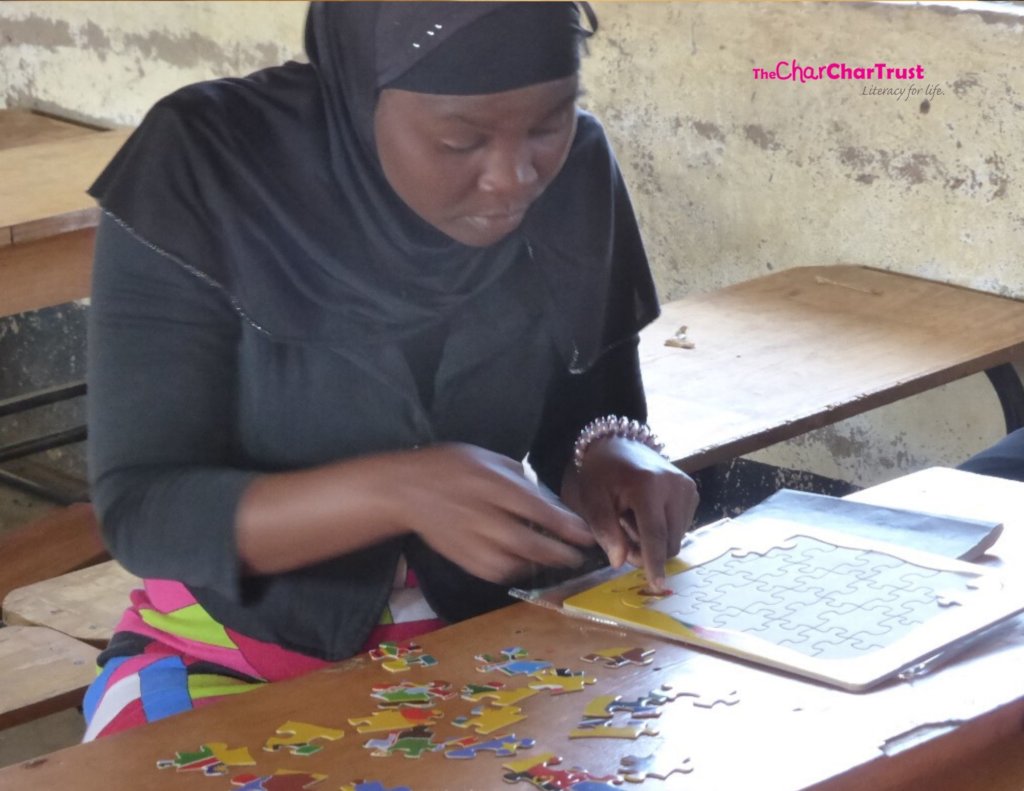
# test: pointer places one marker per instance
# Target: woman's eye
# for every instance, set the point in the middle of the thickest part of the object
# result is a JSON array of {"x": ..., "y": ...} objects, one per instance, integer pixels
[{"x": 460, "y": 146}]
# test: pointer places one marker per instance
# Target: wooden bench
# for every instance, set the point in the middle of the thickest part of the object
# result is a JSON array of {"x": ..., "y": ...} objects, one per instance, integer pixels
[
  {"x": 44, "y": 672},
  {"x": 779, "y": 355},
  {"x": 84, "y": 604},
  {"x": 63, "y": 540}
]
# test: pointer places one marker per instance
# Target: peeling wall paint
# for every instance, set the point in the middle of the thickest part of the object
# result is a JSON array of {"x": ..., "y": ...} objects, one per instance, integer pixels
[{"x": 732, "y": 177}]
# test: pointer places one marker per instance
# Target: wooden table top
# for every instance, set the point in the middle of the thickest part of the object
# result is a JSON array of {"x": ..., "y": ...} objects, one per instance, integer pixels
[
  {"x": 43, "y": 185},
  {"x": 780, "y": 355},
  {"x": 781, "y": 733},
  {"x": 19, "y": 127},
  {"x": 47, "y": 220}
]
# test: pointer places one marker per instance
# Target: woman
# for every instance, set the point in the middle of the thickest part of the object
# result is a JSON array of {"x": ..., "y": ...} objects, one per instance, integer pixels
[{"x": 334, "y": 306}]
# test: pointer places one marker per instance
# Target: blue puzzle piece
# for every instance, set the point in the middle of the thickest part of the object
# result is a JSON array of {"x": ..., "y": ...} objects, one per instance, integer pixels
[{"x": 502, "y": 746}]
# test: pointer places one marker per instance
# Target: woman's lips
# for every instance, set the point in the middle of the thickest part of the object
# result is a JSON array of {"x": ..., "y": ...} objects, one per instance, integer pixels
[{"x": 503, "y": 222}]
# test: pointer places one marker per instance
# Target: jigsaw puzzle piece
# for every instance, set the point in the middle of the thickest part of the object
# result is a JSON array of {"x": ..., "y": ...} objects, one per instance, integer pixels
[
  {"x": 604, "y": 728},
  {"x": 501, "y": 746},
  {"x": 541, "y": 771},
  {"x": 517, "y": 667},
  {"x": 485, "y": 720},
  {"x": 598, "y": 707},
  {"x": 281, "y": 780},
  {"x": 408, "y": 662},
  {"x": 620, "y": 656},
  {"x": 412, "y": 743},
  {"x": 505, "y": 697},
  {"x": 370, "y": 785},
  {"x": 211, "y": 759},
  {"x": 659, "y": 764},
  {"x": 397, "y": 719},
  {"x": 638, "y": 708},
  {"x": 512, "y": 662},
  {"x": 700, "y": 699},
  {"x": 392, "y": 650},
  {"x": 298, "y": 737},
  {"x": 638, "y": 595},
  {"x": 409, "y": 693},
  {"x": 561, "y": 680},
  {"x": 503, "y": 656}
]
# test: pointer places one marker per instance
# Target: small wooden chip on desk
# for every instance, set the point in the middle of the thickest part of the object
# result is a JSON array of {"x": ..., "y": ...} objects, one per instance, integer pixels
[
  {"x": 680, "y": 341},
  {"x": 827, "y": 281}
]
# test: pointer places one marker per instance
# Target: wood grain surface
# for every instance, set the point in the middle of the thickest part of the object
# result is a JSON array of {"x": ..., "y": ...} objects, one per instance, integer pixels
[
  {"x": 802, "y": 348},
  {"x": 782, "y": 733}
]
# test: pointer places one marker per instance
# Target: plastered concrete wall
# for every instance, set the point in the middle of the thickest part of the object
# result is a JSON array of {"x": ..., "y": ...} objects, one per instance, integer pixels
[
  {"x": 108, "y": 62},
  {"x": 735, "y": 177},
  {"x": 732, "y": 177}
]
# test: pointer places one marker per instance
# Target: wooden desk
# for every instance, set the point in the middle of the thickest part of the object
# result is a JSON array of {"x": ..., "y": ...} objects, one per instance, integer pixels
[
  {"x": 46, "y": 217},
  {"x": 799, "y": 349},
  {"x": 783, "y": 733},
  {"x": 19, "y": 127}
]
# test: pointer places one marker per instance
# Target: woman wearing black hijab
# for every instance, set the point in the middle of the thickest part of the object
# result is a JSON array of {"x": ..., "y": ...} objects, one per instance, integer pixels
[{"x": 334, "y": 305}]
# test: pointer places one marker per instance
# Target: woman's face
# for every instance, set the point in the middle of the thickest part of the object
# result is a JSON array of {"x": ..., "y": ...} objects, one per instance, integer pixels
[{"x": 472, "y": 165}]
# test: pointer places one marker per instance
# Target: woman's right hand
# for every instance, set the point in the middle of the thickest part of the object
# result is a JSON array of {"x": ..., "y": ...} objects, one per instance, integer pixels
[
  {"x": 475, "y": 507},
  {"x": 479, "y": 510}
]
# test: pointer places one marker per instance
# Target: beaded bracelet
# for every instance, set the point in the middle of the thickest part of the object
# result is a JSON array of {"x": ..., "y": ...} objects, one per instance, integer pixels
[{"x": 614, "y": 426}]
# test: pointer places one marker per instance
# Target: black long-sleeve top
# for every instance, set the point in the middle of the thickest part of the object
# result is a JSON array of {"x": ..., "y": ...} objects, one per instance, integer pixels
[{"x": 189, "y": 401}]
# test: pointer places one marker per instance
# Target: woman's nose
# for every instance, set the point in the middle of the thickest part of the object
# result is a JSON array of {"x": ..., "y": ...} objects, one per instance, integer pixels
[{"x": 509, "y": 170}]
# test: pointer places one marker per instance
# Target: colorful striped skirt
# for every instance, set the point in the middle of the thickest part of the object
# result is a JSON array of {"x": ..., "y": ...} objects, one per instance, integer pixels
[{"x": 168, "y": 655}]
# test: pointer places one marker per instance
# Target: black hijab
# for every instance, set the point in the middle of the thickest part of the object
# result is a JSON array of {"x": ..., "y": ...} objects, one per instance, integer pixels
[{"x": 269, "y": 188}]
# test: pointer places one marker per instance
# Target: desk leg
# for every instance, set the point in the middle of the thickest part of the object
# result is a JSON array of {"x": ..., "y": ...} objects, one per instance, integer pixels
[{"x": 1010, "y": 391}]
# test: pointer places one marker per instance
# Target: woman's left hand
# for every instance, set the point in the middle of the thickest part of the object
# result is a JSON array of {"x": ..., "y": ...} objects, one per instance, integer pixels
[{"x": 637, "y": 503}]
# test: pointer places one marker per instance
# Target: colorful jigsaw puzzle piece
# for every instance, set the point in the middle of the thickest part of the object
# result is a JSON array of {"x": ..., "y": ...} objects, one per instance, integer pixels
[
  {"x": 703, "y": 700},
  {"x": 412, "y": 743},
  {"x": 499, "y": 696},
  {"x": 605, "y": 728},
  {"x": 211, "y": 759},
  {"x": 409, "y": 693},
  {"x": 515, "y": 652},
  {"x": 517, "y": 667},
  {"x": 659, "y": 764},
  {"x": 397, "y": 719},
  {"x": 512, "y": 662},
  {"x": 598, "y": 707},
  {"x": 281, "y": 780},
  {"x": 487, "y": 720},
  {"x": 298, "y": 738},
  {"x": 409, "y": 662},
  {"x": 561, "y": 680},
  {"x": 472, "y": 690},
  {"x": 392, "y": 650},
  {"x": 541, "y": 772},
  {"x": 370, "y": 785},
  {"x": 621, "y": 656},
  {"x": 501, "y": 746}
]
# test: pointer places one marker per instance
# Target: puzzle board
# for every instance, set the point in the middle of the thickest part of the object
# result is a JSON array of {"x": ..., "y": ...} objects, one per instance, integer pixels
[{"x": 844, "y": 610}]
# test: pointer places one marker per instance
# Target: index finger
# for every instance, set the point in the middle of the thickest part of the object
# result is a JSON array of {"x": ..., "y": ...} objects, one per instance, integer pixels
[{"x": 652, "y": 530}]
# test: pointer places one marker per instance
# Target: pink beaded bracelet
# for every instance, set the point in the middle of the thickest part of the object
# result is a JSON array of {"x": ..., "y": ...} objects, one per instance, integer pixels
[{"x": 614, "y": 426}]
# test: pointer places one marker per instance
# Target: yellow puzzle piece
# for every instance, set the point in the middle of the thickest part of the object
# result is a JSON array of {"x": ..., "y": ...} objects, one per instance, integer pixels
[
  {"x": 487, "y": 720},
  {"x": 298, "y": 737},
  {"x": 560, "y": 680},
  {"x": 505, "y": 697},
  {"x": 395, "y": 719}
]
